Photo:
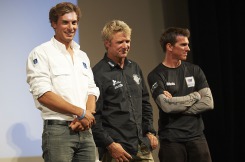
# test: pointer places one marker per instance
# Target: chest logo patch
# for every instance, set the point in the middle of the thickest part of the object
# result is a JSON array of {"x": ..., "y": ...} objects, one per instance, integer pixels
[
  {"x": 190, "y": 81},
  {"x": 117, "y": 84},
  {"x": 85, "y": 65},
  {"x": 136, "y": 78}
]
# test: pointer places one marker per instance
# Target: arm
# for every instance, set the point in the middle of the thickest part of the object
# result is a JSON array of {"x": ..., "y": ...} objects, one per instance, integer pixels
[
  {"x": 206, "y": 101},
  {"x": 177, "y": 104},
  {"x": 93, "y": 95},
  {"x": 147, "y": 110},
  {"x": 164, "y": 99},
  {"x": 58, "y": 104},
  {"x": 147, "y": 117},
  {"x": 91, "y": 103},
  {"x": 204, "y": 104},
  {"x": 101, "y": 136},
  {"x": 41, "y": 86},
  {"x": 90, "y": 107}
]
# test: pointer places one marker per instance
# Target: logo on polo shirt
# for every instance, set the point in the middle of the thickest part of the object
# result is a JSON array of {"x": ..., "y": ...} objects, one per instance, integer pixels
[
  {"x": 117, "y": 84},
  {"x": 137, "y": 79},
  {"x": 190, "y": 81},
  {"x": 154, "y": 86},
  {"x": 170, "y": 83}
]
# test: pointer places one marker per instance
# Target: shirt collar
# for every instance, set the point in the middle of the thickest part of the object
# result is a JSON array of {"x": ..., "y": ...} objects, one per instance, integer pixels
[
  {"x": 62, "y": 47},
  {"x": 112, "y": 64}
]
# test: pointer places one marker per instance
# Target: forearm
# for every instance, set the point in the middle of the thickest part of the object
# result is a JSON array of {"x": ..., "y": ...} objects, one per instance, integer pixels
[
  {"x": 147, "y": 117},
  {"x": 91, "y": 103},
  {"x": 56, "y": 103},
  {"x": 177, "y": 104},
  {"x": 204, "y": 104}
]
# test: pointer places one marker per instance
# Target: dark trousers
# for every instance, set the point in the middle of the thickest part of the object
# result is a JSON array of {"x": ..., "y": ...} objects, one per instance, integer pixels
[{"x": 191, "y": 151}]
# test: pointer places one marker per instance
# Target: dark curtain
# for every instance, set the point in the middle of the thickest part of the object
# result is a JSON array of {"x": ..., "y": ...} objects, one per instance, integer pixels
[{"x": 217, "y": 44}]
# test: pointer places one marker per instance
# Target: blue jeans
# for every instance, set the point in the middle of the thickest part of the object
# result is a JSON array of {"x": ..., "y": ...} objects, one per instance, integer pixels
[
  {"x": 61, "y": 144},
  {"x": 191, "y": 151}
]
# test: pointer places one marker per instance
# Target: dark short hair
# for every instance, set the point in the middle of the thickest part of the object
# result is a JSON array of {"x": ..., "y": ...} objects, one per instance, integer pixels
[{"x": 169, "y": 36}]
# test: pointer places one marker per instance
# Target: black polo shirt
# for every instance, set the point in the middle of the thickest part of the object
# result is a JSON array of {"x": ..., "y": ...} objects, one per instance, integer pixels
[{"x": 123, "y": 111}]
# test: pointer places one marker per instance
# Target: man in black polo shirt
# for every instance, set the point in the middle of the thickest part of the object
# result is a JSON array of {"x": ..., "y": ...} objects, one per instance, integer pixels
[{"x": 124, "y": 119}]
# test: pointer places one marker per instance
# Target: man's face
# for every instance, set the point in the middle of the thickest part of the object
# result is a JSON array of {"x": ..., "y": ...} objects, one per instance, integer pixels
[
  {"x": 66, "y": 27},
  {"x": 180, "y": 48},
  {"x": 119, "y": 46}
]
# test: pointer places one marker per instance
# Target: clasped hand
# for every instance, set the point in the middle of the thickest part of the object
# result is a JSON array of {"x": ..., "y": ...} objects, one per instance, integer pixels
[{"x": 84, "y": 124}]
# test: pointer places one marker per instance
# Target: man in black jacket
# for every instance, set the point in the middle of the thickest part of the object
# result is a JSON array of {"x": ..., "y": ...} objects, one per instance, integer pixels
[{"x": 124, "y": 118}]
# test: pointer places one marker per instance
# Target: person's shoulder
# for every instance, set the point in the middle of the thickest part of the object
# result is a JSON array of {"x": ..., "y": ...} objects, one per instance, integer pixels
[
  {"x": 99, "y": 66},
  {"x": 189, "y": 64},
  {"x": 195, "y": 68},
  {"x": 43, "y": 44},
  {"x": 134, "y": 64},
  {"x": 155, "y": 71},
  {"x": 156, "y": 68},
  {"x": 41, "y": 47}
]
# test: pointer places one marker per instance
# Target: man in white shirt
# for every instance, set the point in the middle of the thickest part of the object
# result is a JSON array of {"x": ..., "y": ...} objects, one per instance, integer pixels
[{"x": 62, "y": 84}]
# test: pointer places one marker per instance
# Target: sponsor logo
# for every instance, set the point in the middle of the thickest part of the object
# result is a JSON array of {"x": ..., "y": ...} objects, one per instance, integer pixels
[
  {"x": 136, "y": 78},
  {"x": 117, "y": 84}
]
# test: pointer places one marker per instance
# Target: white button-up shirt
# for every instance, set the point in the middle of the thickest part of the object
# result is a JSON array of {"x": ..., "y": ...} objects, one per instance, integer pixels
[{"x": 51, "y": 68}]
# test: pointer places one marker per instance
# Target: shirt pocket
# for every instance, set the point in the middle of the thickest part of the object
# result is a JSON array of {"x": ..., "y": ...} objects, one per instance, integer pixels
[
  {"x": 83, "y": 75},
  {"x": 135, "y": 90},
  {"x": 61, "y": 78},
  {"x": 113, "y": 91}
]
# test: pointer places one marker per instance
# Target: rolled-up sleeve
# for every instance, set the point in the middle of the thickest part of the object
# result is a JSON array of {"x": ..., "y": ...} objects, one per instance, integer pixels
[{"x": 38, "y": 74}]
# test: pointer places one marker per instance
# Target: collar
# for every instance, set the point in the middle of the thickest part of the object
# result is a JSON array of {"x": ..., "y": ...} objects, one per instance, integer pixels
[
  {"x": 62, "y": 47},
  {"x": 112, "y": 64}
]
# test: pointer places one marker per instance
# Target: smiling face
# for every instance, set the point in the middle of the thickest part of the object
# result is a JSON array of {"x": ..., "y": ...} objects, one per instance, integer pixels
[
  {"x": 118, "y": 47},
  {"x": 66, "y": 27}
]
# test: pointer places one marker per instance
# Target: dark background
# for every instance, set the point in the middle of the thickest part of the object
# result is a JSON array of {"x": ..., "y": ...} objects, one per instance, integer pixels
[{"x": 217, "y": 43}]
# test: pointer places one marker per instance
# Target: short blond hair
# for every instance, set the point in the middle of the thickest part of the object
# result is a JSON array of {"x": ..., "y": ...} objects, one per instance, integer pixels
[{"x": 113, "y": 27}]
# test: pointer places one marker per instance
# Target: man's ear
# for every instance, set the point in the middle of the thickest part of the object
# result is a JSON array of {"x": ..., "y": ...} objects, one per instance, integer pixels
[
  {"x": 169, "y": 47},
  {"x": 54, "y": 24},
  {"x": 107, "y": 43}
]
